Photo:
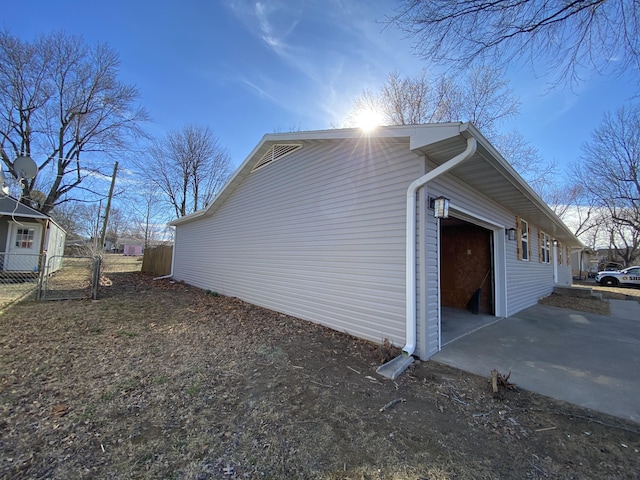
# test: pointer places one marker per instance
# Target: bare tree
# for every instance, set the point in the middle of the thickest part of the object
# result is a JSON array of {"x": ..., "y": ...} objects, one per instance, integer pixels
[
  {"x": 66, "y": 215},
  {"x": 608, "y": 173},
  {"x": 573, "y": 204},
  {"x": 483, "y": 97},
  {"x": 571, "y": 37},
  {"x": 189, "y": 166},
  {"x": 88, "y": 219},
  {"x": 624, "y": 242},
  {"x": 119, "y": 225},
  {"x": 528, "y": 162},
  {"x": 148, "y": 216},
  {"x": 60, "y": 100}
]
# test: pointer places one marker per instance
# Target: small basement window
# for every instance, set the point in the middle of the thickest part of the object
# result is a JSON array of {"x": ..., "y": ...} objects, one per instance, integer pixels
[{"x": 276, "y": 152}]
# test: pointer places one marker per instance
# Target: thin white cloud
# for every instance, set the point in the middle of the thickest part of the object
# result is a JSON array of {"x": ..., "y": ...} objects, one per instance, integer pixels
[
  {"x": 353, "y": 52},
  {"x": 271, "y": 21},
  {"x": 260, "y": 91}
]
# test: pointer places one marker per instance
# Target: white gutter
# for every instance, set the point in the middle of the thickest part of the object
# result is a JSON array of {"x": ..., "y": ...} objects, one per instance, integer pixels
[{"x": 410, "y": 346}]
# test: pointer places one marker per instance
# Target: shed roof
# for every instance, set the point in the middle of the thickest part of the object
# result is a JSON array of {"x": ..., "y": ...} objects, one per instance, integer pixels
[
  {"x": 12, "y": 207},
  {"x": 486, "y": 171}
]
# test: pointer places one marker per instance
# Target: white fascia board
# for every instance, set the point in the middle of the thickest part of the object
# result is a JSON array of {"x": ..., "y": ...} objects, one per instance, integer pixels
[
  {"x": 425, "y": 132},
  {"x": 419, "y": 136},
  {"x": 425, "y": 135},
  {"x": 187, "y": 218}
]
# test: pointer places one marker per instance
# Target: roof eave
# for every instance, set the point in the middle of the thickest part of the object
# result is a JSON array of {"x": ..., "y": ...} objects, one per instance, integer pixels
[
  {"x": 523, "y": 186},
  {"x": 486, "y": 153},
  {"x": 420, "y": 137},
  {"x": 267, "y": 140}
]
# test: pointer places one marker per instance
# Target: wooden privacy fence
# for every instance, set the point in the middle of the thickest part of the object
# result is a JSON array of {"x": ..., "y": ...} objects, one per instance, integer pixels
[{"x": 157, "y": 260}]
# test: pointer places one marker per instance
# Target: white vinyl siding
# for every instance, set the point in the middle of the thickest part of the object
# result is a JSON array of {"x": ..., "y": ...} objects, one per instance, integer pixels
[{"x": 319, "y": 235}]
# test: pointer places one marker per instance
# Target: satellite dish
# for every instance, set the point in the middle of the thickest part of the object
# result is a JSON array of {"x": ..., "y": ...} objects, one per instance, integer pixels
[{"x": 25, "y": 167}]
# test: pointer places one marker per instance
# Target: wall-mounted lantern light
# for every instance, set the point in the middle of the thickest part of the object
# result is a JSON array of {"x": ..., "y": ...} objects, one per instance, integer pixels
[
  {"x": 441, "y": 207},
  {"x": 511, "y": 234}
]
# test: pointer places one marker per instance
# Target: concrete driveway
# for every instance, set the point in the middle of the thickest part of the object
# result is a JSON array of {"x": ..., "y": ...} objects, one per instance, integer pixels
[{"x": 585, "y": 359}]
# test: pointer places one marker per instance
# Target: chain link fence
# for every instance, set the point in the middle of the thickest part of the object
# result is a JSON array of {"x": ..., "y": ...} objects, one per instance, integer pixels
[
  {"x": 74, "y": 278},
  {"x": 19, "y": 276},
  {"x": 63, "y": 277},
  {"x": 115, "y": 270}
]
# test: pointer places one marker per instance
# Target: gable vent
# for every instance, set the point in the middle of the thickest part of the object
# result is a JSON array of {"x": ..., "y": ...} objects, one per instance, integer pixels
[{"x": 277, "y": 152}]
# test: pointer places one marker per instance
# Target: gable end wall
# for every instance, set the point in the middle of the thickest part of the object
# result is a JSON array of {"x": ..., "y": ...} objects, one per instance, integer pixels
[{"x": 319, "y": 235}]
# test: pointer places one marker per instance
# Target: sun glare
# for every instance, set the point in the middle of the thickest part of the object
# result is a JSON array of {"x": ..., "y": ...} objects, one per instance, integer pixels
[{"x": 368, "y": 119}]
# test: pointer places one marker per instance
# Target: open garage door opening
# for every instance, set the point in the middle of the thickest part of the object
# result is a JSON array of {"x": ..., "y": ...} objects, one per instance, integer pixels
[{"x": 467, "y": 278}]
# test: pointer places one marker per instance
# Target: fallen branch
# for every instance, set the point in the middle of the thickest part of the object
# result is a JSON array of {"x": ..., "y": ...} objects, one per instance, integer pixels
[
  {"x": 501, "y": 381},
  {"x": 545, "y": 429},
  {"x": 321, "y": 384},
  {"x": 458, "y": 400},
  {"x": 392, "y": 403}
]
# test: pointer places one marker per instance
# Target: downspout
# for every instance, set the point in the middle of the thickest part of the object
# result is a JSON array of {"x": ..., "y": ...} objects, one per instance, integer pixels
[
  {"x": 411, "y": 295},
  {"x": 171, "y": 274},
  {"x": 173, "y": 259}
]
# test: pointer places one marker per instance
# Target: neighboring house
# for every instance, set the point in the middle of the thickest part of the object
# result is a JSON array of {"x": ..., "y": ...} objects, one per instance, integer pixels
[
  {"x": 126, "y": 246},
  {"x": 132, "y": 250},
  {"x": 609, "y": 259},
  {"x": 584, "y": 262},
  {"x": 25, "y": 235},
  {"x": 336, "y": 227}
]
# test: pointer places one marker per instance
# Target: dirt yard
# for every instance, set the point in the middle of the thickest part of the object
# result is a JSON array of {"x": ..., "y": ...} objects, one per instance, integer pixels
[{"x": 161, "y": 380}]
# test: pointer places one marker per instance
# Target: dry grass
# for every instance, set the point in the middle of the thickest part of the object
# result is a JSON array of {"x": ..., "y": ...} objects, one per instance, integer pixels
[
  {"x": 593, "y": 305},
  {"x": 160, "y": 380},
  {"x": 617, "y": 293}
]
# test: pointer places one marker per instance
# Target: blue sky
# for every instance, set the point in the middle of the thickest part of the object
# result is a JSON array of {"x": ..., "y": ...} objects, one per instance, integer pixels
[{"x": 246, "y": 68}]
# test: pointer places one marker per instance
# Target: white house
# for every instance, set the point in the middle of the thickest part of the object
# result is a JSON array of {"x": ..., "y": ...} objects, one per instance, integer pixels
[
  {"x": 337, "y": 227},
  {"x": 29, "y": 240}
]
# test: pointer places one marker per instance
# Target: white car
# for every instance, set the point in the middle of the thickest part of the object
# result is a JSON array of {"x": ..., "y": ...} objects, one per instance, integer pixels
[{"x": 627, "y": 276}]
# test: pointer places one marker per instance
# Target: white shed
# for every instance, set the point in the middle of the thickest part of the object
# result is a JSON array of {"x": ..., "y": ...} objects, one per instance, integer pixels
[
  {"x": 29, "y": 240},
  {"x": 337, "y": 227}
]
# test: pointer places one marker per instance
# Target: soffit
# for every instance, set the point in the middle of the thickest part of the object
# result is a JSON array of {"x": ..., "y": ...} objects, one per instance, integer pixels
[{"x": 491, "y": 175}]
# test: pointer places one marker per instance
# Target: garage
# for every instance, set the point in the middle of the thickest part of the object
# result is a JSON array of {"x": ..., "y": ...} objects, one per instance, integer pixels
[
  {"x": 466, "y": 266},
  {"x": 467, "y": 278}
]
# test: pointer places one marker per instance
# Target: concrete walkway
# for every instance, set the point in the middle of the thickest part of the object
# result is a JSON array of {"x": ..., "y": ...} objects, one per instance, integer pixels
[{"x": 585, "y": 359}]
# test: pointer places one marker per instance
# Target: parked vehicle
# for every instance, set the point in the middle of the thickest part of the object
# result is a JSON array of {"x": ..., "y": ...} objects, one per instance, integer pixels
[{"x": 627, "y": 276}]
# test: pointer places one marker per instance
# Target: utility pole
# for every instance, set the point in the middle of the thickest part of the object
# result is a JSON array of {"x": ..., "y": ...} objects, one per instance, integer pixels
[
  {"x": 96, "y": 228},
  {"x": 108, "y": 207}
]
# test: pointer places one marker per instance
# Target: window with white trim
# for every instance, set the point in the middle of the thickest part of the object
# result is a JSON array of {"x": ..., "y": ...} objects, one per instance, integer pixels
[
  {"x": 524, "y": 239},
  {"x": 24, "y": 237},
  {"x": 545, "y": 243}
]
